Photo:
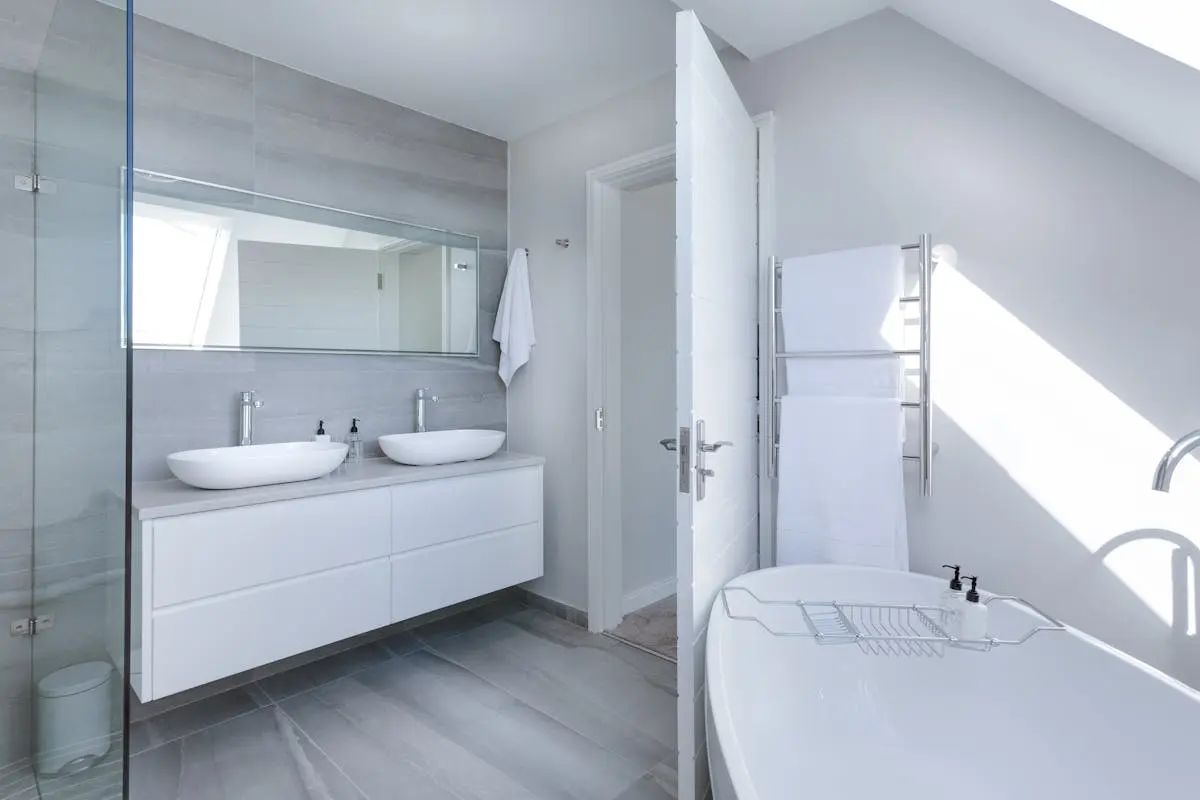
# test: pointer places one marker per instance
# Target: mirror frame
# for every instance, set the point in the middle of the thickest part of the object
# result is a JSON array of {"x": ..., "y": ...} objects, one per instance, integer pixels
[{"x": 168, "y": 179}]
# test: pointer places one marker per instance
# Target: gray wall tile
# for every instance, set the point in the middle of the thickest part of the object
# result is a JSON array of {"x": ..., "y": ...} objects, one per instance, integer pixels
[{"x": 209, "y": 112}]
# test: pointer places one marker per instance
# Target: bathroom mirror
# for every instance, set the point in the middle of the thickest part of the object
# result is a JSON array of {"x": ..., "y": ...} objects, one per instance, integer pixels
[{"x": 223, "y": 269}]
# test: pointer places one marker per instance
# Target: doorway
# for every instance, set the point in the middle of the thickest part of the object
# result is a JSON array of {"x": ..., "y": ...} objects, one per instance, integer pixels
[{"x": 631, "y": 387}]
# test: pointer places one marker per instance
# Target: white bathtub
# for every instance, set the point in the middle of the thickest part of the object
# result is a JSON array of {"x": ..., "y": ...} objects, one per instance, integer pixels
[{"x": 1062, "y": 716}]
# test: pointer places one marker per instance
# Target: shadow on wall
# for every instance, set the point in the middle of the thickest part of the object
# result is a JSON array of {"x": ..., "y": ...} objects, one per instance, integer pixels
[{"x": 1068, "y": 466}]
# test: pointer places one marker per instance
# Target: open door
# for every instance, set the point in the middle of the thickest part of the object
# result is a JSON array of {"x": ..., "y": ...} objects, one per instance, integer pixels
[{"x": 716, "y": 362}]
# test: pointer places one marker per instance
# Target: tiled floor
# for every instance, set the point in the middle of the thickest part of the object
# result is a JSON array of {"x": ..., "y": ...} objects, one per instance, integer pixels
[
  {"x": 503, "y": 702},
  {"x": 652, "y": 627}
]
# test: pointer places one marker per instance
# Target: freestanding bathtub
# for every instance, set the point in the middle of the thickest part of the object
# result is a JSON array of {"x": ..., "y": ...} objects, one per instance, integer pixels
[{"x": 1061, "y": 716}]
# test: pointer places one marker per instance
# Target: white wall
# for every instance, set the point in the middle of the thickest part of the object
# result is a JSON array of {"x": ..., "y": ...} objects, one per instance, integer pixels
[
  {"x": 1066, "y": 342},
  {"x": 647, "y": 334},
  {"x": 548, "y": 412},
  {"x": 1066, "y": 338}
]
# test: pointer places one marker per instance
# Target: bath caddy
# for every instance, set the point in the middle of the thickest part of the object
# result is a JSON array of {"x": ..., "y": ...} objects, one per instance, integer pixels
[{"x": 877, "y": 628}]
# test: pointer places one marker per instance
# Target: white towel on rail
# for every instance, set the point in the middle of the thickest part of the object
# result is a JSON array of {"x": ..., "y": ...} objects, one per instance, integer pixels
[
  {"x": 514, "y": 318},
  {"x": 846, "y": 300},
  {"x": 881, "y": 376},
  {"x": 841, "y": 482}
]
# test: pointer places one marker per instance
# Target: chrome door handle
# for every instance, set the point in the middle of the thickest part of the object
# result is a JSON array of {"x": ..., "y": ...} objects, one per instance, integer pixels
[
  {"x": 670, "y": 444},
  {"x": 705, "y": 447}
]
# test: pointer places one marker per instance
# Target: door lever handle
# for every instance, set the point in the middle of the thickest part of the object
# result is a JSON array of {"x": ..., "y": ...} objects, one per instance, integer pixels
[
  {"x": 669, "y": 444},
  {"x": 714, "y": 447}
]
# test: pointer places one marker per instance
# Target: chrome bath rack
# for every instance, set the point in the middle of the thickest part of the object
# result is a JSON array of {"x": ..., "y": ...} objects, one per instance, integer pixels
[
  {"x": 898, "y": 629},
  {"x": 924, "y": 405}
]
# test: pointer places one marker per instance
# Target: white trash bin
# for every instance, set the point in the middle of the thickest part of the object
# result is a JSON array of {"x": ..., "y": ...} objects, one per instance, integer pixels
[{"x": 74, "y": 710}]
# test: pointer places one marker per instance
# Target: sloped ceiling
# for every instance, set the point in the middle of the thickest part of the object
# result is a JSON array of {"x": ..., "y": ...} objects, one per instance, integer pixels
[
  {"x": 1141, "y": 95},
  {"x": 764, "y": 26}
]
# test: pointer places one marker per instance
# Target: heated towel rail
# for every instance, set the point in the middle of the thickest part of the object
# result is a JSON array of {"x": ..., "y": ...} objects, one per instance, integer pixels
[{"x": 924, "y": 405}]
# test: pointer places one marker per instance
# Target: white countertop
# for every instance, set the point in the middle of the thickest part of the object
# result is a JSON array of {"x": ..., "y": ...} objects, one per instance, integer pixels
[{"x": 156, "y": 499}]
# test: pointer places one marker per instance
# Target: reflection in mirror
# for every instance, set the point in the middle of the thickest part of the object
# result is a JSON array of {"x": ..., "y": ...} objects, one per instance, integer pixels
[{"x": 218, "y": 268}]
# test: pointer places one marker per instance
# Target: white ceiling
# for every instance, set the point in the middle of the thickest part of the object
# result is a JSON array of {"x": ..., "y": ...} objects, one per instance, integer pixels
[
  {"x": 502, "y": 67},
  {"x": 760, "y": 27}
]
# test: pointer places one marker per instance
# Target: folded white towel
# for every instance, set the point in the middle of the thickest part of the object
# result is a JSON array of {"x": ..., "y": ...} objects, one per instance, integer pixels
[
  {"x": 514, "y": 318},
  {"x": 881, "y": 376},
  {"x": 847, "y": 300},
  {"x": 841, "y": 482}
]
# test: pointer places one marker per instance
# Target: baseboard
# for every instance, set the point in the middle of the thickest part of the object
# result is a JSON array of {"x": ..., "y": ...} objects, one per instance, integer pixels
[
  {"x": 560, "y": 610},
  {"x": 647, "y": 595}
]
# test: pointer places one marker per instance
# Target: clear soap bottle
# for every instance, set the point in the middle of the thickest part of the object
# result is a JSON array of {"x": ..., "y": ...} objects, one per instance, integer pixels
[
  {"x": 974, "y": 615},
  {"x": 953, "y": 602},
  {"x": 355, "y": 454}
]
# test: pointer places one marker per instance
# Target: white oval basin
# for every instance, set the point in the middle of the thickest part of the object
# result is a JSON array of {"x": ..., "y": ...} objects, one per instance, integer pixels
[
  {"x": 256, "y": 464},
  {"x": 440, "y": 447}
]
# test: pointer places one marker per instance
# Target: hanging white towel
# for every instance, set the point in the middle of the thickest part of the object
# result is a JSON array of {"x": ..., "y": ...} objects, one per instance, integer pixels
[
  {"x": 847, "y": 300},
  {"x": 841, "y": 482},
  {"x": 514, "y": 318},
  {"x": 881, "y": 376}
]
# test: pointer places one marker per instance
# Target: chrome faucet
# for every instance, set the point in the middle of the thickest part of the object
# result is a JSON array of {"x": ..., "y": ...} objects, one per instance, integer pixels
[
  {"x": 423, "y": 396},
  {"x": 246, "y": 419},
  {"x": 1166, "y": 467}
]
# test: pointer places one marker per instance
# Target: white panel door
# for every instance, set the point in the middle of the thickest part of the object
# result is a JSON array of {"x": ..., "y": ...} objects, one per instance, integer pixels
[{"x": 717, "y": 369}]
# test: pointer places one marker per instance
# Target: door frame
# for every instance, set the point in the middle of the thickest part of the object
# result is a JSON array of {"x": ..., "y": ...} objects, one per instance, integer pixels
[{"x": 605, "y": 186}]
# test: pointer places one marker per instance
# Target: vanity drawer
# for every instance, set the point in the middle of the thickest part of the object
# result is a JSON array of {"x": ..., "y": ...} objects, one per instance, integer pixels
[
  {"x": 445, "y": 574},
  {"x": 432, "y": 512},
  {"x": 210, "y": 639},
  {"x": 206, "y": 554}
]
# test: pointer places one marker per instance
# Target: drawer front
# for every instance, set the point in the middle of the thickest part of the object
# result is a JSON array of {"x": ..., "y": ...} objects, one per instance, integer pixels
[
  {"x": 201, "y": 555},
  {"x": 432, "y": 512},
  {"x": 439, "y": 576},
  {"x": 201, "y": 642}
]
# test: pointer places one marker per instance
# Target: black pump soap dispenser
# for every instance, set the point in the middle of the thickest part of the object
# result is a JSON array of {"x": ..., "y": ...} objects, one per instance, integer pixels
[
  {"x": 953, "y": 602},
  {"x": 355, "y": 453},
  {"x": 321, "y": 435}
]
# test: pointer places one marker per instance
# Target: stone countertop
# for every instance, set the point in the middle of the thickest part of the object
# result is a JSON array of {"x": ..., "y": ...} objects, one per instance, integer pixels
[{"x": 157, "y": 499}]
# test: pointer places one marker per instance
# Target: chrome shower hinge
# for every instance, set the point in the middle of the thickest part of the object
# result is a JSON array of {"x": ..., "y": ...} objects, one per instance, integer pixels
[{"x": 31, "y": 626}]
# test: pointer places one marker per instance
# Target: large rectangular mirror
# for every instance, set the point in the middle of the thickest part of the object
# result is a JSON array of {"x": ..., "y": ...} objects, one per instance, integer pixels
[{"x": 224, "y": 269}]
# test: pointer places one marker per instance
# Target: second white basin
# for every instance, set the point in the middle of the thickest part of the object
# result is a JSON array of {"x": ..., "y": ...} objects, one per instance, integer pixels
[
  {"x": 440, "y": 447},
  {"x": 256, "y": 464}
]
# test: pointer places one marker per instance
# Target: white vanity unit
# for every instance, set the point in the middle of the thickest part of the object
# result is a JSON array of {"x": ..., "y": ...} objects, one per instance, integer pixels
[{"x": 227, "y": 581}]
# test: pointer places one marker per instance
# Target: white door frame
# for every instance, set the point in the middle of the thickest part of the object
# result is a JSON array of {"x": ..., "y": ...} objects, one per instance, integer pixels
[
  {"x": 605, "y": 186},
  {"x": 604, "y": 191}
]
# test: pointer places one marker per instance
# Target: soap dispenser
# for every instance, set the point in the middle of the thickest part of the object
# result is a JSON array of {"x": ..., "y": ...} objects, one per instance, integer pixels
[
  {"x": 355, "y": 454},
  {"x": 953, "y": 602},
  {"x": 321, "y": 436},
  {"x": 974, "y": 615}
]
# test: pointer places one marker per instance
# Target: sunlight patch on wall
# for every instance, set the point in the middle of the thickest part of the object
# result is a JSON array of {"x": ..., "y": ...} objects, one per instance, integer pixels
[{"x": 1076, "y": 448}]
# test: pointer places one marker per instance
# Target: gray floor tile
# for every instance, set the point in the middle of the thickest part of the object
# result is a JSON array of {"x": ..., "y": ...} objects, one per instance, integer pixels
[
  {"x": 548, "y": 693},
  {"x": 101, "y": 782},
  {"x": 401, "y": 644},
  {"x": 533, "y": 750},
  {"x": 260, "y": 755},
  {"x": 648, "y": 787},
  {"x": 17, "y": 782},
  {"x": 595, "y": 668},
  {"x": 318, "y": 673},
  {"x": 382, "y": 745},
  {"x": 469, "y": 620},
  {"x": 185, "y": 720}
]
